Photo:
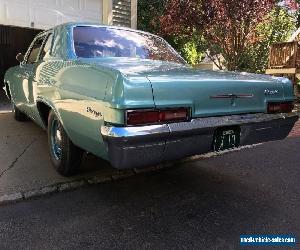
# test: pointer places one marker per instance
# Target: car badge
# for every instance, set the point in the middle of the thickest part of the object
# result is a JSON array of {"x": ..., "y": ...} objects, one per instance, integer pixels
[
  {"x": 93, "y": 112},
  {"x": 271, "y": 92}
]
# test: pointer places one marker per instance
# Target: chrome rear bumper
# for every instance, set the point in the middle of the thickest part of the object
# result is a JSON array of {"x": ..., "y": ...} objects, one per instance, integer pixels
[{"x": 131, "y": 147}]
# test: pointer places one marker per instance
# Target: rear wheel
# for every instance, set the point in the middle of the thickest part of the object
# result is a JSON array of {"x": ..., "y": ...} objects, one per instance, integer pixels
[
  {"x": 18, "y": 115},
  {"x": 65, "y": 156}
]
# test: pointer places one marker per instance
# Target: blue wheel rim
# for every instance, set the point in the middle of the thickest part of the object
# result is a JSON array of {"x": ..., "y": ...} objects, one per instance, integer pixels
[{"x": 56, "y": 139}]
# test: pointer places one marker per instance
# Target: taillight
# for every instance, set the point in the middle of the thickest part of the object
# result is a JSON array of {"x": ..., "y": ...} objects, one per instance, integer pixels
[
  {"x": 280, "y": 107},
  {"x": 139, "y": 117},
  {"x": 173, "y": 115}
]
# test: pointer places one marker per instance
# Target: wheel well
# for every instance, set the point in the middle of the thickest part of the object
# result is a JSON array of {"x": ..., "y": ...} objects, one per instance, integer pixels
[{"x": 44, "y": 110}]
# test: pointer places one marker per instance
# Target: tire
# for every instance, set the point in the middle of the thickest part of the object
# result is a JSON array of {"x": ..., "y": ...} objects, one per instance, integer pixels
[
  {"x": 18, "y": 115},
  {"x": 65, "y": 156}
]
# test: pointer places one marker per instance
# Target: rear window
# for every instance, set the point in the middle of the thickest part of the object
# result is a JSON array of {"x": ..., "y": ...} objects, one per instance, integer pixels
[{"x": 93, "y": 42}]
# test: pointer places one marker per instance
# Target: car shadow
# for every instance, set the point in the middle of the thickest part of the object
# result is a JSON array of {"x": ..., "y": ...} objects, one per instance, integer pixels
[{"x": 185, "y": 202}]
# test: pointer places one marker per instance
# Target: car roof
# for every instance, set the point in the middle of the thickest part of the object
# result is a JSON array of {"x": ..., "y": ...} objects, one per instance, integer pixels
[
  {"x": 94, "y": 24},
  {"x": 70, "y": 25}
]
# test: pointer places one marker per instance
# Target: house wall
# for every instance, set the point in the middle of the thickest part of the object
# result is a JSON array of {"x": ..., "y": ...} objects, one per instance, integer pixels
[
  {"x": 44, "y": 14},
  {"x": 120, "y": 13}
]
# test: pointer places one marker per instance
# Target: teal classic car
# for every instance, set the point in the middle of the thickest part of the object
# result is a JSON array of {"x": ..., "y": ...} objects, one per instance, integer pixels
[{"x": 129, "y": 98}]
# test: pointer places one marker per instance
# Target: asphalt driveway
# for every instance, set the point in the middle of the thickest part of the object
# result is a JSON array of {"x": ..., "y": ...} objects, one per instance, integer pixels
[{"x": 203, "y": 204}]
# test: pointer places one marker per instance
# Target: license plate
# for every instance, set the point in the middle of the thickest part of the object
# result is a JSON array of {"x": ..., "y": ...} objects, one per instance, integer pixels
[{"x": 226, "y": 138}]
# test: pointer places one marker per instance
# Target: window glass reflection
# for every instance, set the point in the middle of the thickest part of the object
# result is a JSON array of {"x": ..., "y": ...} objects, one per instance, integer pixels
[{"x": 91, "y": 42}]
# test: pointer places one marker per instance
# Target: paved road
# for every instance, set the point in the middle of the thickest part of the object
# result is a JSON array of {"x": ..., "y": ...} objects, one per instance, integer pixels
[{"x": 197, "y": 205}]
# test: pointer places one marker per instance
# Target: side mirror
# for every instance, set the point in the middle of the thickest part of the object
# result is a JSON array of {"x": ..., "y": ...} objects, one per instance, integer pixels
[{"x": 20, "y": 57}]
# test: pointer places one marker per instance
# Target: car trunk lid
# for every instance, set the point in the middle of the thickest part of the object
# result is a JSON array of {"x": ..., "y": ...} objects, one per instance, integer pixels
[
  {"x": 207, "y": 93},
  {"x": 214, "y": 93}
]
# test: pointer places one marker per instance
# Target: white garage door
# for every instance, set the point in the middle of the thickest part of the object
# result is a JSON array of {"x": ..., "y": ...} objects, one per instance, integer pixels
[{"x": 44, "y": 14}]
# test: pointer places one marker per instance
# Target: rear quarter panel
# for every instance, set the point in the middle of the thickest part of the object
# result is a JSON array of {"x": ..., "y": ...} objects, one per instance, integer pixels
[{"x": 78, "y": 93}]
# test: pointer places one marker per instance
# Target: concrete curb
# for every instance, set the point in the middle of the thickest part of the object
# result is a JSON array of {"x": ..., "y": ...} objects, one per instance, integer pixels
[
  {"x": 3, "y": 112},
  {"x": 94, "y": 180},
  {"x": 64, "y": 186}
]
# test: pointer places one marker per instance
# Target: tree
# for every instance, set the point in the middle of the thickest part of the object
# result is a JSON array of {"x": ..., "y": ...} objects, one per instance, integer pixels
[
  {"x": 148, "y": 12},
  {"x": 228, "y": 27},
  {"x": 293, "y": 6},
  {"x": 278, "y": 26}
]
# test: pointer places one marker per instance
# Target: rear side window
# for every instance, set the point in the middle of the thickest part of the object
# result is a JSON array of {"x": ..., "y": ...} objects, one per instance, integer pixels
[
  {"x": 47, "y": 47},
  {"x": 34, "y": 53}
]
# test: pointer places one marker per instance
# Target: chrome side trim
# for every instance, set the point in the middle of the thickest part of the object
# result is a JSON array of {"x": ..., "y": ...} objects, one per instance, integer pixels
[{"x": 194, "y": 124}]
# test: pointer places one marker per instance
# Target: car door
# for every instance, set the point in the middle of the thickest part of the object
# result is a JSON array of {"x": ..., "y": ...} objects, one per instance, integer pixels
[
  {"x": 35, "y": 70},
  {"x": 25, "y": 74}
]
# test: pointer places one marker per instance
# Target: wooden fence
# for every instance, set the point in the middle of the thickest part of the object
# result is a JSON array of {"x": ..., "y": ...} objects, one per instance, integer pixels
[{"x": 284, "y": 55}]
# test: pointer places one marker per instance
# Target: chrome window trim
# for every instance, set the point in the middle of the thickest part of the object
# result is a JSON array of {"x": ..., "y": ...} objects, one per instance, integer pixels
[{"x": 44, "y": 35}]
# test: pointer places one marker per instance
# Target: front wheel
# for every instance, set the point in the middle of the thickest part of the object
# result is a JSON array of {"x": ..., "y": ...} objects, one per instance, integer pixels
[{"x": 65, "y": 156}]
